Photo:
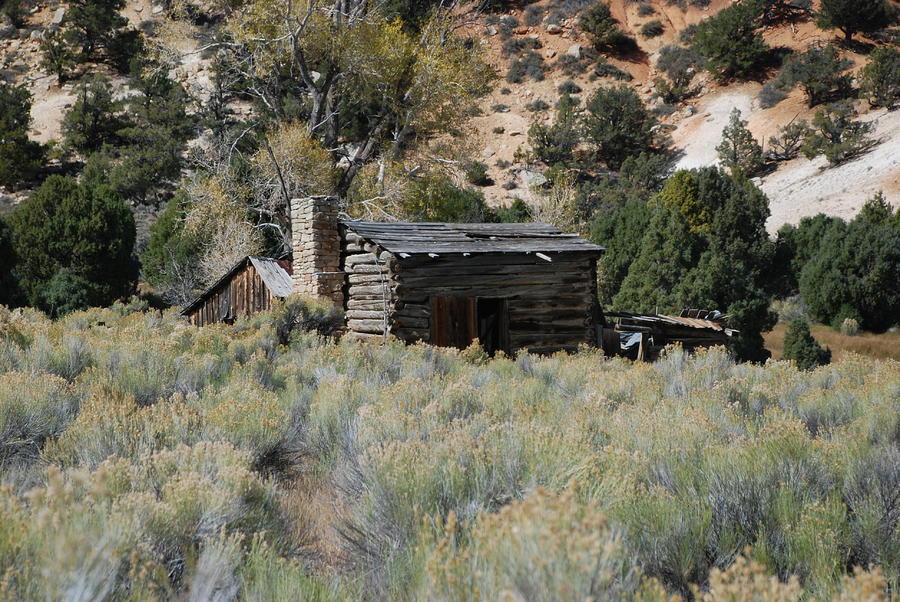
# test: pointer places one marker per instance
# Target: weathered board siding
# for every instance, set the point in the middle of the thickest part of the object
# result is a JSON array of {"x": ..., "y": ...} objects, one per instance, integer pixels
[
  {"x": 243, "y": 294},
  {"x": 550, "y": 303}
]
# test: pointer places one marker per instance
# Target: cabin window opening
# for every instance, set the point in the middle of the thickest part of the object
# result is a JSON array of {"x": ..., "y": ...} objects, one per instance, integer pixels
[{"x": 457, "y": 321}]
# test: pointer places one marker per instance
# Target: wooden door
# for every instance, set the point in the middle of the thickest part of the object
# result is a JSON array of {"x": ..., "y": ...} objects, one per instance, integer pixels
[{"x": 454, "y": 321}]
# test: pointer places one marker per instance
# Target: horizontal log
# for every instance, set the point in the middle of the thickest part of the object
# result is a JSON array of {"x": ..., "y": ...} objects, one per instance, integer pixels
[
  {"x": 368, "y": 304},
  {"x": 362, "y": 336},
  {"x": 355, "y": 290},
  {"x": 359, "y": 258},
  {"x": 414, "y": 310},
  {"x": 375, "y": 326},
  {"x": 409, "y": 322},
  {"x": 363, "y": 314},
  {"x": 512, "y": 258},
  {"x": 368, "y": 268},
  {"x": 495, "y": 290},
  {"x": 369, "y": 278}
]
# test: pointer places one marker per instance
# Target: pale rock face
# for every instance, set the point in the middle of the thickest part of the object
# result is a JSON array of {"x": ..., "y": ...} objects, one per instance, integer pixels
[
  {"x": 59, "y": 15},
  {"x": 532, "y": 179},
  {"x": 574, "y": 51}
]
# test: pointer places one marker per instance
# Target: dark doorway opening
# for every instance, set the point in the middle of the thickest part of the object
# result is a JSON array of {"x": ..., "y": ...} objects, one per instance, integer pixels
[
  {"x": 493, "y": 325},
  {"x": 457, "y": 321}
]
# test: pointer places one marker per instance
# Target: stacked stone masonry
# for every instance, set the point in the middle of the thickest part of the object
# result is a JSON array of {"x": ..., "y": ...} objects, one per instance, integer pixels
[{"x": 317, "y": 248}]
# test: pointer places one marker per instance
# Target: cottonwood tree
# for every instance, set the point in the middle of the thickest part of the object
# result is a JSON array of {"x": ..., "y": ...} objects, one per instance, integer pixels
[{"x": 371, "y": 85}]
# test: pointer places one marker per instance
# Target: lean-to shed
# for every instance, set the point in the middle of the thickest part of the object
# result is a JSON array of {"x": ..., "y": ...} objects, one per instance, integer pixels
[{"x": 249, "y": 287}]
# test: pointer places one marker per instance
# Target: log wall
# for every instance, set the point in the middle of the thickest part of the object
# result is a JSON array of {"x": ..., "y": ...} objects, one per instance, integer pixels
[
  {"x": 550, "y": 304},
  {"x": 242, "y": 295}
]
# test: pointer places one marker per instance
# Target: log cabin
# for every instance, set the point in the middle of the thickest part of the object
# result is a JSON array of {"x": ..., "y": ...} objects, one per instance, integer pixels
[{"x": 511, "y": 286}]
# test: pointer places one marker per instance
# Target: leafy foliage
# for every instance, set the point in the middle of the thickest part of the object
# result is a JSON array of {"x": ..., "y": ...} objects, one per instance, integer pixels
[
  {"x": 20, "y": 158},
  {"x": 171, "y": 261},
  {"x": 70, "y": 238},
  {"x": 555, "y": 144},
  {"x": 800, "y": 346},
  {"x": 95, "y": 119},
  {"x": 731, "y": 41},
  {"x": 617, "y": 125},
  {"x": 95, "y": 29}
]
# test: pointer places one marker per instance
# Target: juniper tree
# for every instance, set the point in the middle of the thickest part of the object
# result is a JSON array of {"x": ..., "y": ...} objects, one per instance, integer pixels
[
  {"x": 739, "y": 150},
  {"x": 854, "y": 16},
  {"x": 880, "y": 78},
  {"x": 20, "y": 157},
  {"x": 802, "y": 348}
]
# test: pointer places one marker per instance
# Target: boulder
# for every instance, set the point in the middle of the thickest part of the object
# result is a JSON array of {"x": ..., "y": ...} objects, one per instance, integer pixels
[
  {"x": 488, "y": 152},
  {"x": 574, "y": 51},
  {"x": 553, "y": 28},
  {"x": 492, "y": 31},
  {"x": 58, "y": 16},
  {"x": 532, "y": 179},
  {"x": 550, "y": 53}
]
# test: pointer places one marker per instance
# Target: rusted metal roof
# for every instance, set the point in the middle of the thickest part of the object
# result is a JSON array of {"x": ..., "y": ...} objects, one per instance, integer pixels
[
  {"x": 273, "y": 272},
  {"x": 448, "y": 238}
]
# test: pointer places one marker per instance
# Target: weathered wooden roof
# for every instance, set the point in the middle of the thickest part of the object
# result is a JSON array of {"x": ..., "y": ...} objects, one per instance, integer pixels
[
  {"x": 272, "y": 272},
  {"x": 432, "y": 237}
]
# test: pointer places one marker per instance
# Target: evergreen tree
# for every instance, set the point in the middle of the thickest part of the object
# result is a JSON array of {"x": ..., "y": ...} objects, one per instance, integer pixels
[
  {"x": 95, "y": 119},
  {"x": 83, "y": 229},
  {"x": 170, "y": 262},
  {"x": 802, "y": 348},
  {"x": 853, "y": 16},
  {"x": 603, "y": 29},
  {"x": 9, "y": 287},
  {"x": 731, "y": 41},
  {"x": 856, "y": 271},
  {"x": 95, "y": 26},
  {"x": 617, "y": 125},
  {"x": 820, "y": 73},
  {"x": 706, "y": 246},
  {"x": 739, "y": 151},
  {"x": 20, "y": 158},
  {"x": 880, "y": 78},
  {"x": 555, "y": 144}
]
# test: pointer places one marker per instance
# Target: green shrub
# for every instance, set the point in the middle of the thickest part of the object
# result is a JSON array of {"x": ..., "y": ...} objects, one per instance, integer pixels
[
  {"x": 617, "y": 125},
  {"x": 20, "y": 158},
  {"x": 819, "y": 72},
  {"x": 652, "y": 29},
  {"x": 297, "y": 315},
  {"x": 603, "y": 29},
  {"x": 739, "y": 150},
  {"x": 880, "y": 78},
  {"x": 73, "y": 240},
  {"x": 852, "y": 17},
  {"x": 731, "y": 42},
  {"x": 835, "y": 134},
  {"x": 801, "y": 347}
]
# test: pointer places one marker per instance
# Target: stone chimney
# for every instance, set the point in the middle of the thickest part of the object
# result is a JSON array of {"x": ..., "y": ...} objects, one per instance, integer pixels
[{"x": 316, "y": 246}]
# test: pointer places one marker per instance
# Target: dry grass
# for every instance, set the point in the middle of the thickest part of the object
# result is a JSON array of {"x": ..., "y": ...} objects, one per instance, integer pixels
[{"x": 881, "y": 346}]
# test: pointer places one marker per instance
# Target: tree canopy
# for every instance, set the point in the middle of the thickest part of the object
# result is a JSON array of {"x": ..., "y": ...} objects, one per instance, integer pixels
[
  {"x": 85, "y": 231},
  {"x": 706, "y": 246},
  {"x": 20, "y": 157}
]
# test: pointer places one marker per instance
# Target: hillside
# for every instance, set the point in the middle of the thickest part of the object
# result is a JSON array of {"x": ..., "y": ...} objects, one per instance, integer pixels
[
  {"x": 796, "y": 189},
  {"x": 145, "y": 459}
]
